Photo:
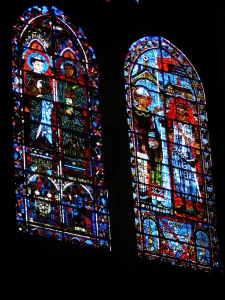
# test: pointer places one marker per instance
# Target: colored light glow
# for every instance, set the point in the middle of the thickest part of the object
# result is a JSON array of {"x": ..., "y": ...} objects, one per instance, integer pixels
[
  {"x": 62, "y": 182},
  {"x": 171, "y": 176}
]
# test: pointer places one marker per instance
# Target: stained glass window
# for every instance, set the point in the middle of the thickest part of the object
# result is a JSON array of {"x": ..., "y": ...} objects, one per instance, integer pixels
[
  {"x": 170, "y": 156},
  {"x": 58, "y": 157}
]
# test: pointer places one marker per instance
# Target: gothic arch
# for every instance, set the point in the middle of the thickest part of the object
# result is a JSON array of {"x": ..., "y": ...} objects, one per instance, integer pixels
[
  {"x": 57, "y": 130},
  {"x": 170, "y": 154}
]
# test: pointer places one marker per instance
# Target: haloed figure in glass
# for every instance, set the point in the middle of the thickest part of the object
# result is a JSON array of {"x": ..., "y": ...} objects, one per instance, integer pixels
[
  {"x": 66, "y": 89},
  {"x": 149, "y": 149},
  {"x": 39, "y": 86},
  {"x": 70, "y": 89},
  {"x": 67, "y": 94},
  {"x": 184, "y": 156},
  {"x": 72, "y": 96}
]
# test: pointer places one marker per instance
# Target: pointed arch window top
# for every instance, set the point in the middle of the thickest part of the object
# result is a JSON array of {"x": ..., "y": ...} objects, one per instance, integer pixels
[
  {"x": 166, "y": 47},
  {"x": 49, "y": 15},
  {"x": 58, "y": 153},
  {"x": 170, "y": 156}
]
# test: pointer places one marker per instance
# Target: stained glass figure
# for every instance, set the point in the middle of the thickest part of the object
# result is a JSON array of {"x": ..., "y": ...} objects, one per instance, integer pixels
[
  {"x": 58, "y": 157},
  {"x": 170, "y": 156}
]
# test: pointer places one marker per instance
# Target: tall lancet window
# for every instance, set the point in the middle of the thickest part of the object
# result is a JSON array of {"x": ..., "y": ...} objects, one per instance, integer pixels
[
  {"x": 58, "y": 157},
  {"x": 170, "y": 156}
]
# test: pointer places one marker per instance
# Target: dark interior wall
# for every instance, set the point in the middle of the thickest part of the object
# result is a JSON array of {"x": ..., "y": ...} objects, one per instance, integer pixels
[{"x": 111, "y": 28}]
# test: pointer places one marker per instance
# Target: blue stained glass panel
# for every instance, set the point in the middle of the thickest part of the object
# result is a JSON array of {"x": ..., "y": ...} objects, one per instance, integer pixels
[{"x": 170, "y": 156}]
